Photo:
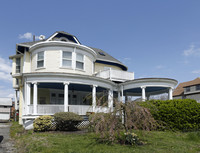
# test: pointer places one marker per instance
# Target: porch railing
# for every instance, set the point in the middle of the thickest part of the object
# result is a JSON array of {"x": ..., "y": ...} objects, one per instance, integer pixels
[
  {"x": 78, "y": 109},
  {"x": 116, "y": 75}
]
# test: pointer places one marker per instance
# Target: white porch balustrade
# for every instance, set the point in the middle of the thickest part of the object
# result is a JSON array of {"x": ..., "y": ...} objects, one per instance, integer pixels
[
  {"x": 78, "y": 109},
  {"x": 116, "y": 75}
]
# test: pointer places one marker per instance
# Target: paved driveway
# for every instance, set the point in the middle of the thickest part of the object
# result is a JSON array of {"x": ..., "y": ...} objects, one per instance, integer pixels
[{"x": 6, "y": 146}]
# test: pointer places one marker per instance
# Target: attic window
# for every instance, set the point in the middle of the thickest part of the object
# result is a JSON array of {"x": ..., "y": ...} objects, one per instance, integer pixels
[
  {"x": 102, "y": 54},
  {"x": 64, "y": 39}
]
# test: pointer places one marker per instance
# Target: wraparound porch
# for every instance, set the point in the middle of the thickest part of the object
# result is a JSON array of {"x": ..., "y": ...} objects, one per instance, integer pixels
[{"x": 71, "y": 91}]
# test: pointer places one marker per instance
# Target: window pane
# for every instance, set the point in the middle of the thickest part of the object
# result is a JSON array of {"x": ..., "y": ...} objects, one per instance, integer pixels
[
  {"x": 79, "y": 65},
  {"x": 17, "y": 61},
  {"x": 53, "y": 95},
  {"x": 17, "y": 69},
  {"x": 61, "y": 101},
  {"x": 40, "y": 63},
  {"x": 67, "y": 55},
  {"x": 61, "y": 95},
  {"x": 40, "y": 55},
  {"x": 67, "y": 63},
  {"x": 79, "y": 57},
  {"x": 187, "y": 89}
]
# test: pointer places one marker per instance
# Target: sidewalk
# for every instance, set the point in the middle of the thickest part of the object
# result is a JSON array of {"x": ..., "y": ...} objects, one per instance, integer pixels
[{"x": 6, "y": 146}]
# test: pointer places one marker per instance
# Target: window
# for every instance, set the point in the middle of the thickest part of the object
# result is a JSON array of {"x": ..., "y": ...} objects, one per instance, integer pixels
[
  {"x": 198, "y": 87},
  {"x": 42, "y": 100},
  {"x": 18, "y": 62},
  {"x": 40, "y": 59},
  {"x": 17, "y": 81},
  {"x": 67, "y": 59},
  {"x": 187, "y": 89},
  {"x": 102, "y": 54},
  {"x": 57, "y": 98},
  {"x": 79, "y": 61}
]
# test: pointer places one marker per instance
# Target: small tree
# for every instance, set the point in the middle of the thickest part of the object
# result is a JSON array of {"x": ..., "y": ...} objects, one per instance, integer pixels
[{"x": 110, "y": 128}]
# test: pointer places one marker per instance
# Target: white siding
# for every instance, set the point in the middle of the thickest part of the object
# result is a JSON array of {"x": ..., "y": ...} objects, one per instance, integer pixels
[{"x": 52, "y": 63}]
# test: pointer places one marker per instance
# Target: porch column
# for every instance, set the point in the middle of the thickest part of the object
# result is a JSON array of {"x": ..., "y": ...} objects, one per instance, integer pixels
[
  {"x": 94, "y": 97},
  {"x": 119, "y": 98},
  {"x": 28, "y": 97},
  {"x": 35, "y": 97},
  {"x": 143, "y": 93},
  {"x": 110, "y": 99},
  {"x": 66, "y": 101},
  {"x": 170, "y": 93}
]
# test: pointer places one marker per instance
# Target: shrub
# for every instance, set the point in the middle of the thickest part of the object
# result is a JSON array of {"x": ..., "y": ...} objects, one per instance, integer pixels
[
  {"x": 43, "y": 123},
  {"x": 138, "y": 117},
  {"x": 177, "y": 114},
  {"x": 67, "y": 120},
  {"x": 106, "y": 125},
  {"x": 125, "y": 117}
]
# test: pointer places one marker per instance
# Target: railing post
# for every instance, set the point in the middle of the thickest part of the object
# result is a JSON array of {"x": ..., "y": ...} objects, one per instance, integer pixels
[{"x": 110, "y": 77}]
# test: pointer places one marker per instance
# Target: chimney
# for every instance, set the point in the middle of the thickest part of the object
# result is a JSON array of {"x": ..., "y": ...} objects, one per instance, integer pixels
[{"x": 33, "y": 38}]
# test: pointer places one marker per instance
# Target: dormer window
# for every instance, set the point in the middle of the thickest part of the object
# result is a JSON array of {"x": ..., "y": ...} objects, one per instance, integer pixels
[
  {"x": 18, "y": 63},
  {"x": 198, "y": 87},
  {"x": 66, "y": 59},
  {"x": 102, "y": 54},
  {"x": 79, "y": 61},
  {"x": 187, "y": 89},
  {"x": 40, "y": 59},
  {"x": 64, "y": 39}
]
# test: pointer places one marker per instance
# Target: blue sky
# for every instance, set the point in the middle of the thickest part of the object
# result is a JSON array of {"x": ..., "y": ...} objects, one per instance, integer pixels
[{"x": 153, "y": 38}]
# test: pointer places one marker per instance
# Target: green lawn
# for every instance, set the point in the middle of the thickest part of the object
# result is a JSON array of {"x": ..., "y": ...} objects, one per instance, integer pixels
[{"x": 64, "y": 142}]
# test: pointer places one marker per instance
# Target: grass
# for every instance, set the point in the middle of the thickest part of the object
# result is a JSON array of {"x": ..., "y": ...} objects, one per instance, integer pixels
[{"x": 64, "y": 142}]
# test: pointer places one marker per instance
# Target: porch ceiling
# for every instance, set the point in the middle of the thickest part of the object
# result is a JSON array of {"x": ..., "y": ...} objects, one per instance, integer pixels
[
  {"x": 76, "y": 87},
  {"x": 147, "y": 90}
]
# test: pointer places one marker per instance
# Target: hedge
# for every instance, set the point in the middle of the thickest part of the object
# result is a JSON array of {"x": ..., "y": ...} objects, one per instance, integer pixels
[{"x": 177, "y": 114}]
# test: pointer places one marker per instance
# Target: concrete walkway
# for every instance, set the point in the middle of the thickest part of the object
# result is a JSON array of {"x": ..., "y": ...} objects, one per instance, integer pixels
[{"x": 6, "y": 146}]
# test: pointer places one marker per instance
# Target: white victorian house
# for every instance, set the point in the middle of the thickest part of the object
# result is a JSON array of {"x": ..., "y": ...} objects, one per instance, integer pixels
[{"x": 59, "y": 74}]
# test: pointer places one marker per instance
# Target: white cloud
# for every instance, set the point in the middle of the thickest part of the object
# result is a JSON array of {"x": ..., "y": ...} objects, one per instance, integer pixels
[
  {"x": 5, "y": 69},
  {"x": 27, "y": 35},
  {"x": 196, "y": 71},
  {"x": 193, "y": 50}
]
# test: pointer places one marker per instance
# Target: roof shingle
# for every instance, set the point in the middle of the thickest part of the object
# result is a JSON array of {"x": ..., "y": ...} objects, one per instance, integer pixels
[{"x": 180, "y": 88}]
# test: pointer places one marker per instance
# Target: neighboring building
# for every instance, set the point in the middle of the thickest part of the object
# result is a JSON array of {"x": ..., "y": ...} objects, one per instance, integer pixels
[
  {"x": 5, "y": 109},
  {"x": 188, "y": 90},
  {"x": 59, "y": 74}
]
